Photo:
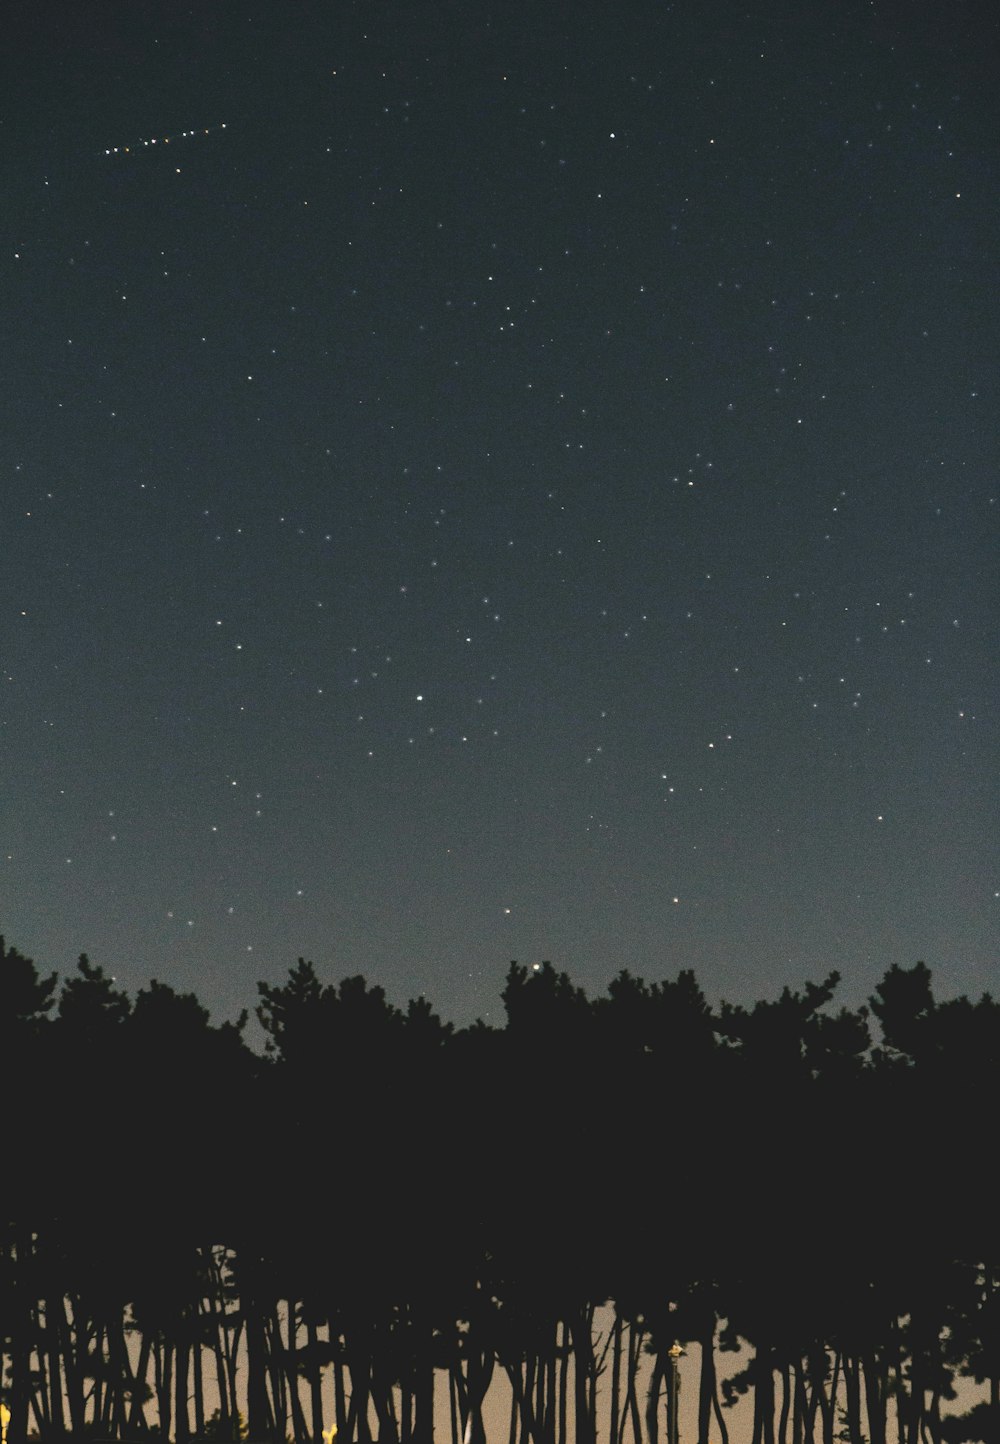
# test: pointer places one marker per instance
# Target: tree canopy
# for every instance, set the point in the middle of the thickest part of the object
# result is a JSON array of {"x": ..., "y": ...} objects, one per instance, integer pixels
[{"x": 381, "y": 1216}]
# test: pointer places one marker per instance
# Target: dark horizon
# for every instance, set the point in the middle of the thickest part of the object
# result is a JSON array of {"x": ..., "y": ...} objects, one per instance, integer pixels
[{"x": 383, "y": 1210}]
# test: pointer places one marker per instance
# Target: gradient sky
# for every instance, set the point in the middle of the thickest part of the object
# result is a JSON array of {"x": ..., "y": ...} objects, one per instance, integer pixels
[{"x": 519, "y": 480}]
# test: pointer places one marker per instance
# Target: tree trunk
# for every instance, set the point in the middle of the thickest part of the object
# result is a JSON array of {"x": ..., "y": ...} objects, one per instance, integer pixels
[
  {"x": 275, "y": 1374},
  {"x": 826, "y": 1402},
  {"x": 763, "y": 1399},
  {"x": 289, "y": 1357},
  {"x": 478, "y": 1376},
  {"x": 40, "y": 1392},
  {"x": 522, "y": 1388},
  {"x": 616, "y": 1372},
  {"x": 786, "y": 1404},
  {"x": 551, "y": 1392},
  {"x": 584, "y": 1424},
  {"x": 636, "y": 1334},
  {"x": 385, "y": 1412},
  {"x": 125, "y": 1383},
  {"x": 453, "y": 1404},
  {"x": 163, "y": 1369},
  {"x": 182, "y": 1425},
  {"x": 423, "y": 1385},
  {"x": 563, "y": 1385},
  {"x": 799, "y": 1404},
  {"x": 720, "y": 1419},
  {"x": 56, "y": 1411},
  {"x": 653, "y": 1401},
  {"x": 137, "y": 1413},
  {"x": 70, "y": 1349},
  {"x": 540, "y": 1433},
  {"x": 852, "y": 1386},
  {"x": 913, "y": 1406},
  {"x": 706, "y": 1382},
  {"x": 530, "y": 1420},
  {"x": 360, "y": 1372},
  {"x": 259, "y": 1419},
  {"x": 339, "y": 1391},
  {"x": 199, "y": 1384},
  {"x": 875, "y": 1394},
  {"x": 315, "y": 1382},
  {"x": 933, "y": 1416}
]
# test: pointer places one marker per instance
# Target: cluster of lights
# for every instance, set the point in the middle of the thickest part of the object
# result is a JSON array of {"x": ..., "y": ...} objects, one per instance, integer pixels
[{"x": 162, "y": 140}]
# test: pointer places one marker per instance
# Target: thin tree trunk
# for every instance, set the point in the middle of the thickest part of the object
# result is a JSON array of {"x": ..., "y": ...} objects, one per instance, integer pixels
[
  {"x": 221, "y": 1379},
  {"x": 20, "y": 1251},
  {"x": 125, "y": 1380},
  {"x": 275, "y": 1374},
  {"x": 453, "y": 1404},
  {"x": 635, "y": 1337},
  {"x": 96, "y": 1399},
  {"x": 522, "y": 1387},
  {"x": 540, "y": 1434},
  {"x": 339, "y": 1389},
  {"x": 137, "y": 1413},
  {"x": 914, "y": 1402},
  {"x": 407, "y": 1380},
  {"x": 39, "y": 1411},
  {"x": 706, "y": 1382},
  {"x": 289, "y": 1357},
  {"x": 40, "y": 1393},
  {"x": 56, "y": 1410},
  {"x": 259, "y": 1420},
  {"x": 360, "y": 1373},
  {"x": 236, "y": 1343},
  {"x": 38, "y": 1397},
  {"x": 163, "y": 1368},
  {"x": 653, "y": 1401},
  {"x": 182, "y": 1426},
  {"x": 763, "y": 1399},
  {"x": 827, "y": 1402},
  {"x": 563, "y": 1386},
  {"x": 422, "y": 1387},
  {"x": 105, "y": 1396},
  {"x": 551, "y": 1390},
  {"x": 852, "y": 1388},
  {"x": 786, "y": 1404},
  {"x": 199, "y": 1384},
  {"x": 315, "y": 1381},
  {"x": 720, "y": 1418},
  {"x": 933, "y": 1416},
  {"x": 584, "y": 1377},
  {"x": 875, "y": 1392},
  {"x": 385, "y": 1412},
  {"x": 616, "y": 1374},
  {"x": 226, "y": 1339},
  {"x": 799, "y": 1404},
  {"x": 69, "y": 1347},
  {"x": 478, "y": 1376},
  {"x": 811, "y": 1402}
]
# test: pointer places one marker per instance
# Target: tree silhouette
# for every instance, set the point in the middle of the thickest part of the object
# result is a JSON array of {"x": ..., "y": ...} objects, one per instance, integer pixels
[{"x": 381, "y": 1211}]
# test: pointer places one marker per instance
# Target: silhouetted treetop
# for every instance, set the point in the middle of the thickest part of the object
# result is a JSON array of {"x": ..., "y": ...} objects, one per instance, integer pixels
[
  {"x": 25, "y": 998},
  {"x": 904, "y": 1005}
]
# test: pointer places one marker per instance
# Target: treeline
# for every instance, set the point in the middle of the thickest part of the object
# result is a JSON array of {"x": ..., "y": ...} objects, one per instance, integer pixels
[{"x": 374, "y": 1222}]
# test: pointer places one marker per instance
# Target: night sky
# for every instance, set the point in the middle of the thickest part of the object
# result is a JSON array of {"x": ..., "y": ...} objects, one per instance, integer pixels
[{"x": 500, "y": 480}]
